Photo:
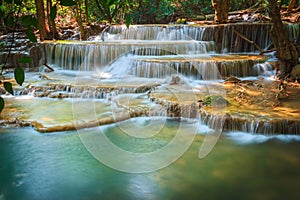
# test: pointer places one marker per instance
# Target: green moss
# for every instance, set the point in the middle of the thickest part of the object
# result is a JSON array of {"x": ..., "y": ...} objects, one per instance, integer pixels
[{"x": 214, "y": 100}]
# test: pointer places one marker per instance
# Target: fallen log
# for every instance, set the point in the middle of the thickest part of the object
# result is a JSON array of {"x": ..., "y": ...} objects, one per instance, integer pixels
[{"x": 50, "y": 68}]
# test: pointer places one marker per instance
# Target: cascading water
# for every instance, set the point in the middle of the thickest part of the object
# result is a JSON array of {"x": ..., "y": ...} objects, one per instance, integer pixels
[
  {"x": 264, "y": 69},
  {"x": 129, "y": 59},
  {"x": 163, "y": 40},
  {"x": 140, "y": 95},
  {"x": 222, "y": 34},
  {"x": 157, "y": 32},
  {"x": 88, "y": 56}
]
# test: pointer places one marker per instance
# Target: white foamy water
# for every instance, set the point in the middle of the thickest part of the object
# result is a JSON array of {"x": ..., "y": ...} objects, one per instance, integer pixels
[{"x": 248, "y": 138}]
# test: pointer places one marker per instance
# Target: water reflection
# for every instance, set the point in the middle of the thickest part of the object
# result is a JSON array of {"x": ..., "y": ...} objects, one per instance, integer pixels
[{"x": 57, "y": 166}]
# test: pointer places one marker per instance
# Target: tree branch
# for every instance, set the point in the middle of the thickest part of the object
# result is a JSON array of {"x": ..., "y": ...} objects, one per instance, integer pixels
[
  {"x": 249, "y": 41},
  {"x": 50, "y": 68}
]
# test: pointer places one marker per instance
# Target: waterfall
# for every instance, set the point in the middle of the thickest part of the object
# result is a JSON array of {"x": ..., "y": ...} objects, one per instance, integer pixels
[
  {"x": 88, "y": 56},
  {"x": 198, "y": 68},
  {"x": 166, "y": 40},
  {"x": 251, "y": 126},
  {"x": 224, "y": 35},
  {"x": 160, "y": 32},
  {"x": 264, "y": 69}
]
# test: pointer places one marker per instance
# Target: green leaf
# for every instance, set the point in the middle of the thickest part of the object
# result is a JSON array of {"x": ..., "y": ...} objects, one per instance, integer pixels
[
  {"x": 18, "y": 2},
  {"x": 127, "y": 20},
  {"x": 53, "y": 11},
  {"x": 27, "y": 20},
  {"x": 8, "y": 87},
  {"x": 19, "y": 75},
  {"x": 10, "y": 21},
  {"x": 8, "y": 1},
  {"x": 1, "y": 104},
  {"x": 25, "y": 59},
  {"x": 2, "y": 8},
  {"x": 31, "y": 35},
  {"x": 35, "y": 23},
  {"x": 67, "y": 2}
]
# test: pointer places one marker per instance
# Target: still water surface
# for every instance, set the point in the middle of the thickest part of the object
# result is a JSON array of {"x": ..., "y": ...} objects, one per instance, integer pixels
[{"x": 58, "y": 166}]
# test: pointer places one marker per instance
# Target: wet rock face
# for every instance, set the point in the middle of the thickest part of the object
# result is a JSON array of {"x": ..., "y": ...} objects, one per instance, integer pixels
[
  {"x": 177, "y": 79},
  {"x": 14, "y": 123},
  {"x": 174, "y": 109},
  {"x": 15, "y": 46}
]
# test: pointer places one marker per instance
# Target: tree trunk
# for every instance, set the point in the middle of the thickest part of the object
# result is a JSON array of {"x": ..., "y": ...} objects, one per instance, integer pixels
[
  {"x": 51, "y": 24},
  {"x": 79, "y": 20},
  {"x": 2, "y": 20},
  {"x": 40, "y": 12},
  {"x": 86, "y": 7},
  {"x": 286, "y": 52},
  {"x": 221, "y": 10},
  {"x": 292, "y": 4}
]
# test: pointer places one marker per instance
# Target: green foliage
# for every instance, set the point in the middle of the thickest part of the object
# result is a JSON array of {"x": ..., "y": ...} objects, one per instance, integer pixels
[
  {"x": 29, "y": 21},
  {"x": 25, "y": 59},
  {"x": 8, "y": 87},
  {"x": 2, "y": 103},
  {"x": 19, "y": 13},
  {"x": 18, "y": 2},
  {"x": 153, "y": 11},
  {"x": 68, "y": 2},
  {"x": 53, "y": 12},
  {"x": 127, "y": 20},
  {"x": 214, "y": 100},
  {"x": 194, "y": 8},
  {"x": 31, "y": 36},
  {"x": 19, "y": 75},
  {"x": 2, "y": 10},
  {"x": 165, "y": 8},
  {"x": 181, "y": 21},
  {"x": 109, "y": 8},
  {"x": 10, "y": 21}
]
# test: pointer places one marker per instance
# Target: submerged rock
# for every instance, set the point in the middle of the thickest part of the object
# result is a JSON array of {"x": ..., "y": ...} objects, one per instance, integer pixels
[
  {"x": 215, "y": 100},
  {"x": 232, "y": 79},
  {"x": 14, "y": 123}
]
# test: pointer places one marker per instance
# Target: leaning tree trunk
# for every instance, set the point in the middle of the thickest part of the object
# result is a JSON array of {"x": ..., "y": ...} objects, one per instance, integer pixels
[
  {"x": 221, "y": 10},
  {"x": 286, "y": 52},
  {"x": 292, "y": 4}
]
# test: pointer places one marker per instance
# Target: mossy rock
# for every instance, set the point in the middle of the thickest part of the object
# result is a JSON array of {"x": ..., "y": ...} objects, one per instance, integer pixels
[
  {"x": 232, "y": 79},
  {"x": 215, "y": 100}
]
